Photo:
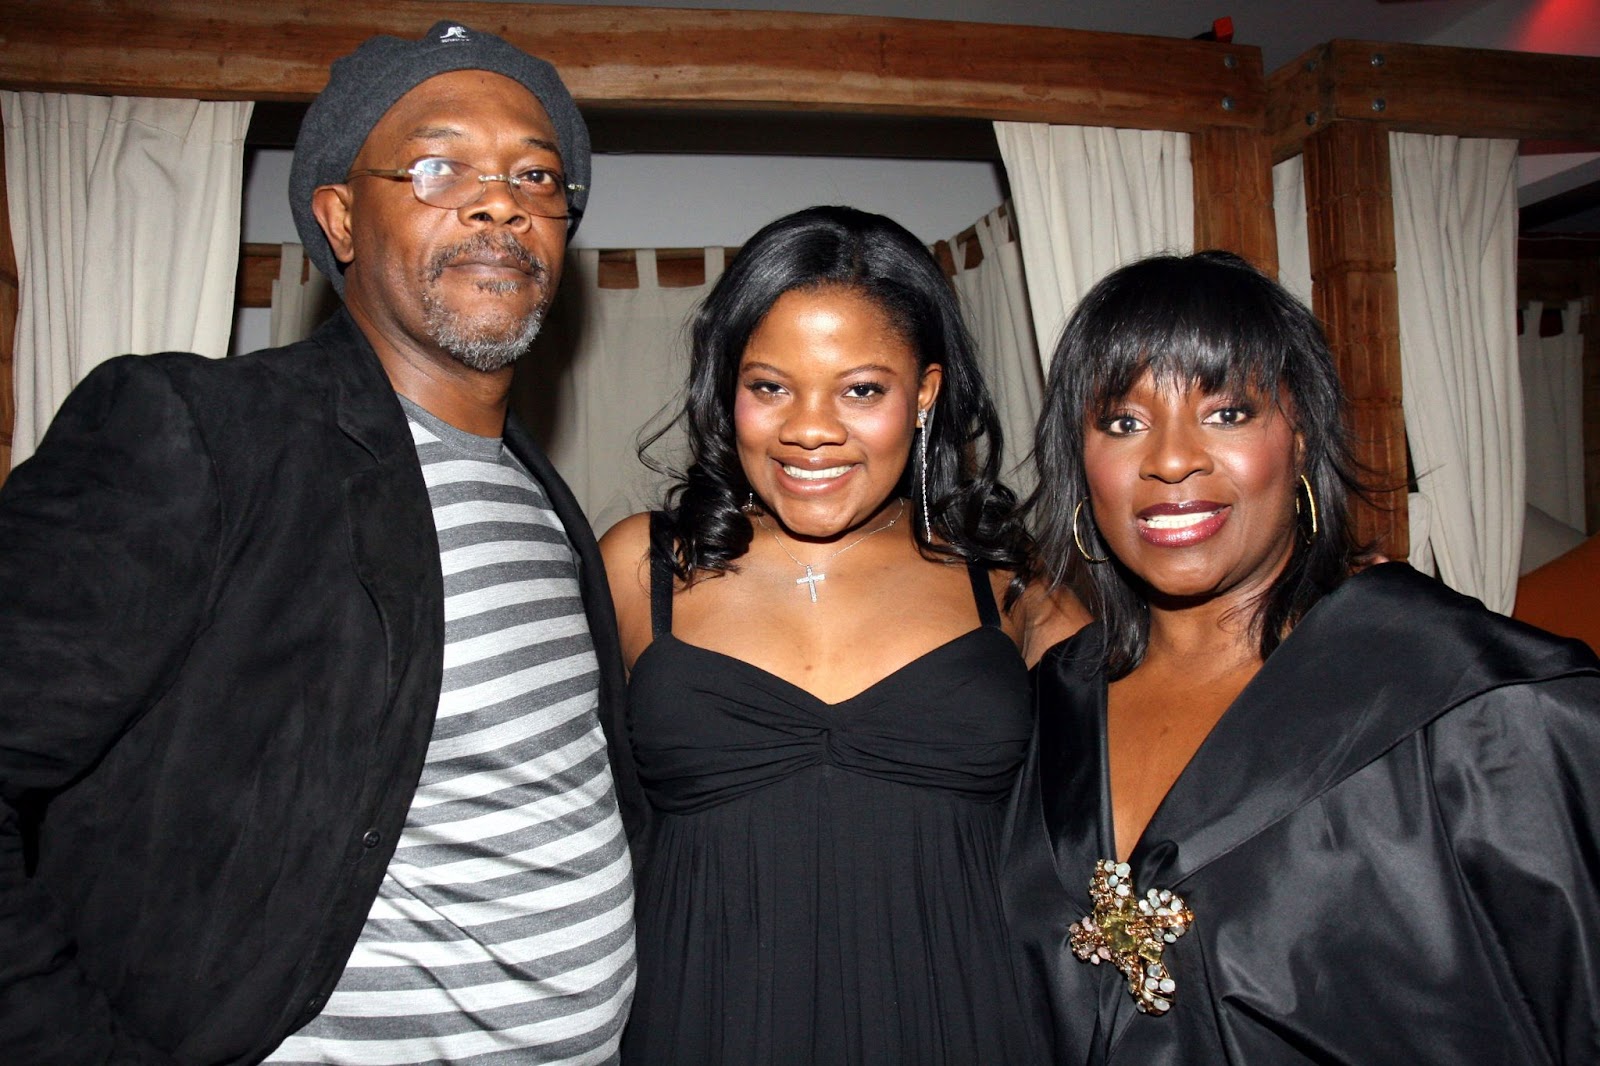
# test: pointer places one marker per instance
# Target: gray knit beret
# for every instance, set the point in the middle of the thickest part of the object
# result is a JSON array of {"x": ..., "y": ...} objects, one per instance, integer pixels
[{"x": 363, "y": 85}]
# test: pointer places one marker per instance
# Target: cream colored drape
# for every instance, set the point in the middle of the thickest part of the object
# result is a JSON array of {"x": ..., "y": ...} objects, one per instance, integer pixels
[
  {"x": 994, "y": 304},
  {"x": 1456, "y": 277},
  {"x": 1455, "y": 204},
  {"x": 1455, "y": 261},
  {"x": 1294, "y": 240},
  {"x": 1552, "y": 399},
  {"x": 625, "y": 356},
  {"x": 302, "y": 299},
  {"x": 1294, "y": 274},
  {"x": 1088, "y": 200},
  {"x": 125, "y": 216}
]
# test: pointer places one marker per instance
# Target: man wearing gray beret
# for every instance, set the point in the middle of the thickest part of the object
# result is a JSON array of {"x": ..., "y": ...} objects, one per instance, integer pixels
[{"x": 307, "y": 745}]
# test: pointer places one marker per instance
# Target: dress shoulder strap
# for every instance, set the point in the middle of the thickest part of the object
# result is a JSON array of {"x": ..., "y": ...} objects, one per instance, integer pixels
[
  {"x": 661, "y": 580},
  {"x": 983, "y": 593}
]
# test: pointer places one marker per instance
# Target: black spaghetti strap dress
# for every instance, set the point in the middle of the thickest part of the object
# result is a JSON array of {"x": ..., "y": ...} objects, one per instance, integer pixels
[{"x": 820, "y": 886}]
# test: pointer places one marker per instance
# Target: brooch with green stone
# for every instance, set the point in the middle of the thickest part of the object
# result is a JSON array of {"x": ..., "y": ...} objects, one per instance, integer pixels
[{"x": 1131, "y": 932}]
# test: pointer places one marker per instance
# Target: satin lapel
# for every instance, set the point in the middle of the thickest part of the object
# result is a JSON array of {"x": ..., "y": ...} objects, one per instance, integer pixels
[
  {"x": 1375, "y": 661},
  {"x": 393, "y": 546},
  {"x": 1075, "y": 795},
  {"x": 1071, "y": 693}
]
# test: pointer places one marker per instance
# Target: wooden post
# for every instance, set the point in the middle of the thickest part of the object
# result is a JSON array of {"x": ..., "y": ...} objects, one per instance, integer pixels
[
  {"x": 1233, "y": 194},
  {"x": 9, "y": 290},
  {"x": 1350, "y": 218}
]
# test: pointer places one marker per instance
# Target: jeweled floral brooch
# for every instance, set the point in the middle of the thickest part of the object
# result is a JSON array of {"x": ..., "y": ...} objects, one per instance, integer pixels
[{"x": 1131, "y": 933}]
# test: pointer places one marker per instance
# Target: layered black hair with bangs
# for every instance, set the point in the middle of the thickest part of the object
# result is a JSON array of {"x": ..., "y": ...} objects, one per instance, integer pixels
[
  {"x": 1209, "y": 321},
  {"x": 974, "y": 516}
]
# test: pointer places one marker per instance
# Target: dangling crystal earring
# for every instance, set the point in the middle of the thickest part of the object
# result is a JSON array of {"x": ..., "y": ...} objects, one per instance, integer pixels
[
  {"x": 924, "y": 430},
  {"x": 750, "y": 505},
  {"x": 1076, "y": 539}
]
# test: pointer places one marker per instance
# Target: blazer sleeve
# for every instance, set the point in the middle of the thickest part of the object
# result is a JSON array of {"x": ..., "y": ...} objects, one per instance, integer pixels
[
  {"x": 1514, "y": 772},
  {"x": 108, "y": 544}
]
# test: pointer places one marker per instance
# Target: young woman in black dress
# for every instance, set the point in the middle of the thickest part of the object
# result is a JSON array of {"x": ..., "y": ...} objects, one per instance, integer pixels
[{"x": 827, "y": 702}]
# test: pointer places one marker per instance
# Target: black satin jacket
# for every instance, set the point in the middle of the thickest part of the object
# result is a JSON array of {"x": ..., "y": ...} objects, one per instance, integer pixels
[
  {"x": 1390, "y": 842},
  {"x": 221, "y": 633}
]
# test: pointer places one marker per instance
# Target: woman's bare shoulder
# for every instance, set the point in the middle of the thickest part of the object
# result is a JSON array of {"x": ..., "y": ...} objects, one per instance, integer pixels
[
  {"x": 627, "y": 543},
  {"x": 1051, "y": 614},
  {"x": 625, "y": 550}
]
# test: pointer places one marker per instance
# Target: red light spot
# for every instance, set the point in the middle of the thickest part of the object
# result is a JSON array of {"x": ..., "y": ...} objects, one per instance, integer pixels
[{"x": 1568, "y": 27}]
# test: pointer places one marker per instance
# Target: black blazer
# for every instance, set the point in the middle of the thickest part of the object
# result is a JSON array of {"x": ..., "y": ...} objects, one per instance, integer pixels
[{"x": 221, "y": 633}]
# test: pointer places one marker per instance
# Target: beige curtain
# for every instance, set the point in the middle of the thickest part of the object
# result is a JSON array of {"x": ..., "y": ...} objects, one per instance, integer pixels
[
  {"x": 994, "y": 303},
  {"x": 302, "y": 299},
  {"x": 1455, "y": 217},
  {"x": 125, "y": 216},
  {"x": 1294, "y": 273},
  {"x": 1294, "y": 241},
  {"x": 1088, "y": 200},
  {"x": 619, "y": 373},
  {"x": 1552, "y": 399}
]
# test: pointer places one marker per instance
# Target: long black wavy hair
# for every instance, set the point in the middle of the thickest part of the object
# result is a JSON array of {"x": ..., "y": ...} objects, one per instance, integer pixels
[
  {"x": 1209, "y": 321},
  {"x": 973, "y": 515}
]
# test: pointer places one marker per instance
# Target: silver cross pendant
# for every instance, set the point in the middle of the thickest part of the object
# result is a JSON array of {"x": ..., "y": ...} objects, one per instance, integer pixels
[{"x": 811, "y": 579}]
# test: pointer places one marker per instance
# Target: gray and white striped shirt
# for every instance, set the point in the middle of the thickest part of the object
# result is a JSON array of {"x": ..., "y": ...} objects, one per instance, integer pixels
[{"x": 503, "y": 931}]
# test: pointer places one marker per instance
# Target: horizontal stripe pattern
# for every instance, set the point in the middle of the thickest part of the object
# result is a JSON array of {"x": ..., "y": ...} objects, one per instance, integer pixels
[{"x": 503, "y": 931}]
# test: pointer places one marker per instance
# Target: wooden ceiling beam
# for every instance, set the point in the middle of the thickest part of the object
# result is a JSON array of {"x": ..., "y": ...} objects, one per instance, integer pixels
[
  {"x": 654, "y": 57},
  {"x": 1465, "y": 92}
]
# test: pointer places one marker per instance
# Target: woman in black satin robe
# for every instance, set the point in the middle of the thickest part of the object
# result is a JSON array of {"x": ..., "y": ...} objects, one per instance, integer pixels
[{"x": 1361, "y": 812}]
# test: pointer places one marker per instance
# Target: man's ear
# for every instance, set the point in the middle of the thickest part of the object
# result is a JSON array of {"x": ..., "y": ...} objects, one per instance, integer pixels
[{"x": 331, "y": 206}]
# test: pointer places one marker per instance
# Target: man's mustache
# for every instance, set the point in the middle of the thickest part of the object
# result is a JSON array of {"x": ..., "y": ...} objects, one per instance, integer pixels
[{"x": 487, "y": 245}]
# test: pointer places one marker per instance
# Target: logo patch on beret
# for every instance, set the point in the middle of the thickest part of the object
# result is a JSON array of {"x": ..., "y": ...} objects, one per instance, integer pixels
[{"x": 453, "y": 34}]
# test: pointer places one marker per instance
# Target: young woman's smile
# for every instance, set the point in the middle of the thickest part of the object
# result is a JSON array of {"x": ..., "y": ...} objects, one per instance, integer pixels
[{"x": 826, "y": 412}]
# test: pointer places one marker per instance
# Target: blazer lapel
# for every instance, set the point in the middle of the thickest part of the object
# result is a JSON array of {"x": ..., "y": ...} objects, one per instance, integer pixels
[
  {"x": 1374, "y": 662},
  {"x": 1071, "y": 695},
  {"x": 393, "y": 546}
]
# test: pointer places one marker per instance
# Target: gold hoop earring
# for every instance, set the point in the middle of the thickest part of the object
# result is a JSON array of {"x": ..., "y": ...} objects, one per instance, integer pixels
[
  {"x": 1311, "y": 501},
  {"x": 1079, "y": 540}
]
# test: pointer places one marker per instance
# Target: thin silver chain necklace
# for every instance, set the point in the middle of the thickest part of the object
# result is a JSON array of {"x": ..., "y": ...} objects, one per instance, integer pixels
[{"x": 812, "y": 574}]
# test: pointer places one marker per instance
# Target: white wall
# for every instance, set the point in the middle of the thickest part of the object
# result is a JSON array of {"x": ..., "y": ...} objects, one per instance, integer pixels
[
  {"x": 662, "y": 201},
  {"x": 665, "y": 201}
]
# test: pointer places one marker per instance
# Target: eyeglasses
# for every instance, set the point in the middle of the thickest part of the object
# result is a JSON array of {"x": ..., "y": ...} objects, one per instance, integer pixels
[{"x": 451, "y": 184}]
